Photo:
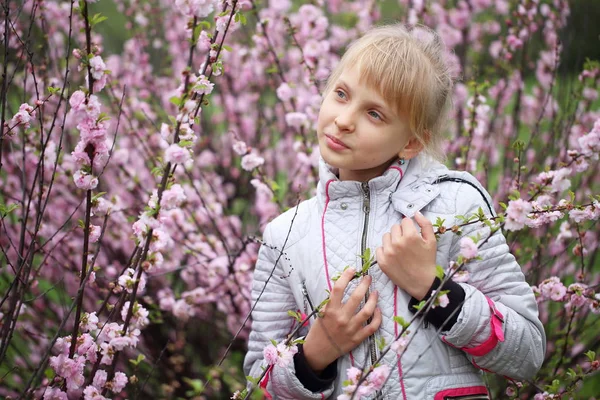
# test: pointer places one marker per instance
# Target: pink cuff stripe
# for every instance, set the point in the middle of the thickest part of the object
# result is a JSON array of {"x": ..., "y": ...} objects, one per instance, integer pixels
[
  {"x": 464, "y": 391},
  {"x": 496, "y": 334}
]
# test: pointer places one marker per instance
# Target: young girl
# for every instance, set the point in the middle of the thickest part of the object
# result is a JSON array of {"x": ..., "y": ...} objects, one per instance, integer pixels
[{"x": 379, "y": 131}]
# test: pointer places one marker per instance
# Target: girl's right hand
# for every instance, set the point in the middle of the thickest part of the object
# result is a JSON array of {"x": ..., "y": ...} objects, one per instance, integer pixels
[{"x": 341, "y": 329}]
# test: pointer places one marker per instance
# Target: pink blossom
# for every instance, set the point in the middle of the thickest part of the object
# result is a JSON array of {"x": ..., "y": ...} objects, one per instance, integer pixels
[
  {"x": 399, "y": 345},
  {"x": 285, "y": 92},
  {"x": 55, "y": 394},
  {"x": 70, "y": 369},
  {"x": 251, "y": 161},
  {"x": 119, "y": 382},
  {"x": 97, "y": 67},
  {"x": 173, "y": 197},
  {"x": 441, "y": 300},
  {"x": 176, "y": 154},
  {"x": 286, "y": 354},
  {"x": 195, "y": 8},
  {"x": 270, "y": 354},
  {"x": 89, "y": 322},
  {"x": 92, "y": 393},
  {"x": 100, "y": 379},
  {"x": 203, "y": 85},
  {"x": 84, "y": 180},
  {"x": 468, "y": 248},
  {"x": 23, "y": 116},
  {"x": 516, "y": 214},
  {"x": 379, "y": 376},
  {"x": 296, "y": 119},
  {"x": 77, "y": 100},
  {"x": 240, "y": 147},
  {"x": 95, "y": 231}
]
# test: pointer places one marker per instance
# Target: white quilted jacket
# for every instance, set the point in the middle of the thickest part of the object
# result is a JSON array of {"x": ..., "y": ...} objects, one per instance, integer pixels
[{"x": 328, "y": 233}]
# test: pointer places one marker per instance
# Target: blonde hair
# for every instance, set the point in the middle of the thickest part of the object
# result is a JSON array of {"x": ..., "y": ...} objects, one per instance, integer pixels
[{"x": 407, "y": 64}]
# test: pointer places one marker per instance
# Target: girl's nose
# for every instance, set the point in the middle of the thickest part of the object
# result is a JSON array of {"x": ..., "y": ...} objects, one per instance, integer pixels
[{"x": 344, "y": 122}]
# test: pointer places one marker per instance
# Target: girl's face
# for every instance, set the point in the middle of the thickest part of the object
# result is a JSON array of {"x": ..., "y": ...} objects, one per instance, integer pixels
[{"x": 359, "y": 133}]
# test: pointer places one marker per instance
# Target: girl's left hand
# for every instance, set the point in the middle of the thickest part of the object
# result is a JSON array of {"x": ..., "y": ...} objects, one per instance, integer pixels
[{"x": 407, "y": 257}]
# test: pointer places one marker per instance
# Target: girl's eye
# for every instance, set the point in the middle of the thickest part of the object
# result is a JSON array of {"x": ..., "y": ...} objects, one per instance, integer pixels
[
  {"x": 340, "y": 94},
  {"x": 374, "y": 114}
]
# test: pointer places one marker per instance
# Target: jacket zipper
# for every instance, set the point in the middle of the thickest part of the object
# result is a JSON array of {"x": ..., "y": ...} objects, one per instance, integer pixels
[
  {"x": 363, "y": 246},
  {"x": 306, "y": 299}
]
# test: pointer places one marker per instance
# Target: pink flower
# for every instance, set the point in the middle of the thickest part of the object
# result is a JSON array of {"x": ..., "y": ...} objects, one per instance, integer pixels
[
  {"x": 99, "y": 379},
  {"x": 175, "y": 154},
  {"x": 55, "y": 394},
  {"x": 84, "y": 180},
  {"x": 95, "y": 231},
  {"x": 173, "y": 197},
  {"x": 92, "y": 393},
  {"x": 441, "y": 300},
  {"x": 468, "y": 248},
  {"x": 251, "y": 161},
  {"x": 285, "y": 92},
  {"x": 516, "y": 214},
  {"x": 97, "y": 67},
  {"x": 354, "y": 374},
  {"x": 23, "y": 116},
  {"x": 119, "y": 382},
  {"x": 240, "y": 147},
  {"x": 296, "y": 119},
  {"x": 399, "y": 345},
  {"x": 195, "y": 8},
  {"x": 77, "y": 100},
  {"x": 379, "y": 376},
  {"x": 270, "y": 354},
  {"x": 286, "y": 354},
  {"x": 203, "y": 85}
]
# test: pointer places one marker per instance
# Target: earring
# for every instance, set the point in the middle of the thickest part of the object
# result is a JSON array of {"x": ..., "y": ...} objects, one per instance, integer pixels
[{"x": 402, "y": 161}]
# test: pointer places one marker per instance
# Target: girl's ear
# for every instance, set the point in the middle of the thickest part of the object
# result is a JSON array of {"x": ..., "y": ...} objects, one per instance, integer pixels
[{"x": 412, "y": 149}]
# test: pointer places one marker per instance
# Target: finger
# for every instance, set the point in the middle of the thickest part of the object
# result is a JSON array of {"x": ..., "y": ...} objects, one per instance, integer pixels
[
  {"x": 380, "y": 257},
  {"x": 337, "y": 292},
  {"x": 426, "y": 226},
  {"x": 358, "y": 295},
  {"x": 368, "y": 309},
  {"x": 386, "y": 240},
  {"x": 408, "y": 227},
  {"x": 373, "y": 326},
  {"x": 396, "y": 232}
]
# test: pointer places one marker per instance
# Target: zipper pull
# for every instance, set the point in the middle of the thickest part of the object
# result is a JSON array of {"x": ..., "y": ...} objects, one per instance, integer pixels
[{"x": 367, "y": 197}]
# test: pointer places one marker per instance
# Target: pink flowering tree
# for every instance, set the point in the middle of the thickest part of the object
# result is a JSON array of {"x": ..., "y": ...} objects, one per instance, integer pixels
[{"x": 144, "y": 145}]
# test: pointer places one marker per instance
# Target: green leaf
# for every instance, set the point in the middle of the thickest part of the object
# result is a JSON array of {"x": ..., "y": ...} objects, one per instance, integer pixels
[
  {"x": 439, "y": 272},
  {"x": 227, "y": 48},
  {"x": 591, "y": 355},
  {"x": 7, "y": 209},
  {"x": 401, "y": 321},
  {"x": 420, "y": 305},
  {"x": 176, "y": 100},
  {"x": 97, "y": 196},
  {"x": 97, "y": 18},
  {"x": 273, "y": 342},
  {"x": 138, "y": 360},
  {"x": 81, "y": 224},
  {"x": 53, "y": 90}
]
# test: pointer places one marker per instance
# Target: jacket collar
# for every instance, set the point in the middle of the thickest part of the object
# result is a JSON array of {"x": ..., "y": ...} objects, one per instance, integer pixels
[{"x": 410, "y": 187}]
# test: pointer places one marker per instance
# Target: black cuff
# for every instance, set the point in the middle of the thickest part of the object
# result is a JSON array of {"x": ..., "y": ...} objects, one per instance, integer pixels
[
  {"x": 447, "y": 316},
  {"x": 309, "y": 378}
]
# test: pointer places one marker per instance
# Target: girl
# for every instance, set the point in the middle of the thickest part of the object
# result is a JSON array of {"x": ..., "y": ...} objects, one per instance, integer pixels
[{"x": 379, "y": 133}]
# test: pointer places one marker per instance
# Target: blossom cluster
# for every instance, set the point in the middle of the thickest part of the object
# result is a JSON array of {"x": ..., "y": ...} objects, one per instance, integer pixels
[{"x": 374, "y": 381}]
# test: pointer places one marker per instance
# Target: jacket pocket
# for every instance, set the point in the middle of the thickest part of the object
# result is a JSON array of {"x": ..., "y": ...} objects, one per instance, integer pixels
[{"x": 463, "y": 393}]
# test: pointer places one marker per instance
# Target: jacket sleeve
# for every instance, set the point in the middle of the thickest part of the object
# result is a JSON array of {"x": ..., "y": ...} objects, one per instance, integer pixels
[
  {"x": 270, "y": 320},
  {"x": 498, "y": 326}
]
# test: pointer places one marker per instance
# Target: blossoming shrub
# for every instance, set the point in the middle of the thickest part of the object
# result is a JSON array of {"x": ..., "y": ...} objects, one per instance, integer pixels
[{"x": 135, "y": 182}]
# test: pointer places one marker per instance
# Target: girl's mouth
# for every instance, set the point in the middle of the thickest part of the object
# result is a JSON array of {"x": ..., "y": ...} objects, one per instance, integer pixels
[{"x": 335, "y": 144}]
